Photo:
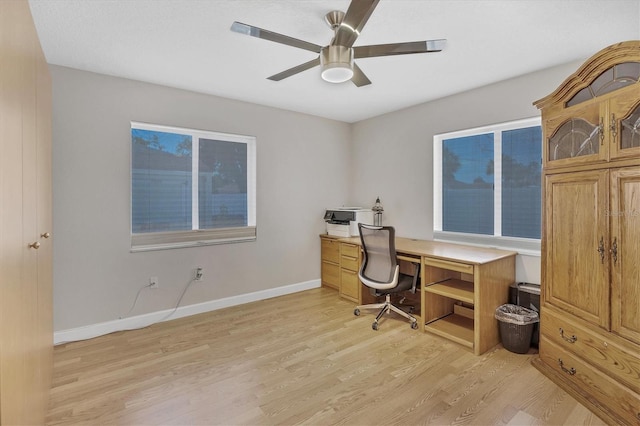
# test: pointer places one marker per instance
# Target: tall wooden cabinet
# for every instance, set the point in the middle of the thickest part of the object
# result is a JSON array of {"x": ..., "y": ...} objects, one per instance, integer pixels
[
  {"x": 590, "y": 313},
  {"x": 26, "y": 324}
]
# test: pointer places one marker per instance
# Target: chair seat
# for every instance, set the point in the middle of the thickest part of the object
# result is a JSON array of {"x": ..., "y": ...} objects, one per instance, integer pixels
[{"x": 405, "y": 283}]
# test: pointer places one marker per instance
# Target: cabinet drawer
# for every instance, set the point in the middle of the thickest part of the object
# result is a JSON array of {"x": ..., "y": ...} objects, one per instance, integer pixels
[
  {"x": 350, "y": 263},
  {"x": 330, "y": 275},
  {"x": 350, "y": 250},
  {"x": 600, "y": 350},
  {"x": 349, "y": 285},
  {"x": 617, "y": 399},
  {"x": 330, "y": 250}
]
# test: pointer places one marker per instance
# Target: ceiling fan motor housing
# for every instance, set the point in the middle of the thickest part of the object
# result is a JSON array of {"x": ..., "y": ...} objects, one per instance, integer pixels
[
  {"x": 336, "y": 59},
  {"x": 336, "y": 63}
]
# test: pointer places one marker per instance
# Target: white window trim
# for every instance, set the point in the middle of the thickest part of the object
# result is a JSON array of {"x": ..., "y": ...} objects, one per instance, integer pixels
[
  {"x": 200, "y": 237},
  {"x": 527, "y": 246}
]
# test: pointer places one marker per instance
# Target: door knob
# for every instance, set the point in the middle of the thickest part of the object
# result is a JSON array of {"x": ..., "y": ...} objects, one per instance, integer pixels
[
  {"x": 45, "y": 235},
  {"x": 35, "y": 245}
]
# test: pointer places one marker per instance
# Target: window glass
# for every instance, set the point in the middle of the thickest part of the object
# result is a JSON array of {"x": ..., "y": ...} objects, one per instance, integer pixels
[
  {"x": 467, "y": 184},
  {"x": 160, "y": 181},
  {"x": 521, "y": 195},
  {"x": 190, "y": 187},
  {"x": 487, "y": 186},
  {"x": 222, "y": 192}
]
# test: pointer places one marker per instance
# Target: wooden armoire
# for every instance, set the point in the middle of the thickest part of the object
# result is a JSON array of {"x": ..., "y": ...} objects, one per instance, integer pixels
[
  {"x": 590, "y": 309},
  {"x": 26, "y": 324}
]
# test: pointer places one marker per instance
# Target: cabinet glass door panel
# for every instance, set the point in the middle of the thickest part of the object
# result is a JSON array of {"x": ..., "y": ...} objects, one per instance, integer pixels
[
  {"x": 576, "y": 241},
  {"x": 630, "y": 130},
  {"x": 625, "y": 252},
  {"x": 624, "y": 123},
  {"x": 575, "y": 137}
]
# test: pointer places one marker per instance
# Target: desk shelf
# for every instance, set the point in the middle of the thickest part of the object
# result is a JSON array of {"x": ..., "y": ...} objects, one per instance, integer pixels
[
  {"x": 454, "y": 289},
  {"x": 459, "y": 297},
  {"x": 454, "y": 327}
]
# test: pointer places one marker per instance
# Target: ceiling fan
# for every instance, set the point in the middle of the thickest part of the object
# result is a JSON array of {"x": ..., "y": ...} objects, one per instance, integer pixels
[{"x": 336, "y": 60}]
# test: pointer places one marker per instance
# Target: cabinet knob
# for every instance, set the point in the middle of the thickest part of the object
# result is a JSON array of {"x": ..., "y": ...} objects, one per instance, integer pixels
[
  {"x": 45, "y": 235},
  {"x": 613, "y": 128},
  {"x": 614, "y": 250},
  {"x": 601, "y": 130},
  {"x": 35, "y": 245}
]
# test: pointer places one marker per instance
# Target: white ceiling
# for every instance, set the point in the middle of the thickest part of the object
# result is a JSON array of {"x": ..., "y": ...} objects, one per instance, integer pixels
[{"x": 188, "y": 44}]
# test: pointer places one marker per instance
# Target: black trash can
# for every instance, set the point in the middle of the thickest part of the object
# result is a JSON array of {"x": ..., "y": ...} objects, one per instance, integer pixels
[
  {"x": 527, "y": 295},
  {"x": 516, "y": 327}
]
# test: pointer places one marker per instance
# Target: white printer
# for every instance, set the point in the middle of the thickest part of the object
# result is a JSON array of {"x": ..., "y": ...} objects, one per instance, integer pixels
[{"x": 343, "y": 221}]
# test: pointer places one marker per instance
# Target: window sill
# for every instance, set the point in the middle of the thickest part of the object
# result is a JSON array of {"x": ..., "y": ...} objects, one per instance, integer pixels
[
  {"x": 524, "y": 246},
  {"x": 183, "y": 239}
]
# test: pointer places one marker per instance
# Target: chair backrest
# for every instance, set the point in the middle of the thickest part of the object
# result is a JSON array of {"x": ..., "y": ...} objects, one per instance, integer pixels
[{"x": 380, "y": 265}]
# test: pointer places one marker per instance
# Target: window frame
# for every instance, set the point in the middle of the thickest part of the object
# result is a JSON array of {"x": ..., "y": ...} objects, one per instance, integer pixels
[
  {"x": 529, "y": 246},
  {"x": 150, "y": 241}
]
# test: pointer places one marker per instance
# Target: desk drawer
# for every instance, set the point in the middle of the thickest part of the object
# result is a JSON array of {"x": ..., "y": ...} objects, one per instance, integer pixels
[
  {"x": 330, "y": 275},
  {"x": 608, "y": 392},
  {"x": 449, "y": 265},
  {"x": 601, "y": 350},
  {"x": 350, "y": 250},
  {"x": 349, "y": 285},
  {"x": 350, "y": 263},
  {"x": 330, "y": 250}
]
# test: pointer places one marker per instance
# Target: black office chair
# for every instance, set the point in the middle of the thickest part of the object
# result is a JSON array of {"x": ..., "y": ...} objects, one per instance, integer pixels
[{"x": 381, "y": 273}]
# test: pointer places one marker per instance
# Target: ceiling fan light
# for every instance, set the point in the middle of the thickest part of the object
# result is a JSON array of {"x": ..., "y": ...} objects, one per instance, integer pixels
[
  {"x": 336, "y": 73},
  {"x": 336, "y": 63}
]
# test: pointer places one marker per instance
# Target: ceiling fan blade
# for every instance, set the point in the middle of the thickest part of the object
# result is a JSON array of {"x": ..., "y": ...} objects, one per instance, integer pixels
[
  {"x": 295, "y": 70},
  {"x": 252, "y": 31},
  {"x": 399, "y": 48},
  {"x": 359, "y": 79},
  {"x": 357, "y": 15}
]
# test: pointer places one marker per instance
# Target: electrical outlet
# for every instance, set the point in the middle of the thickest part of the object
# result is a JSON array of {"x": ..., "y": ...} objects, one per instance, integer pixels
[
  {"x": 199, "y": 274},
  {"x": 153, "y": 282}
]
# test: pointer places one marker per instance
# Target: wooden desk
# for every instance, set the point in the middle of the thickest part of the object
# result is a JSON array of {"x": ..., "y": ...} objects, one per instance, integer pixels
[{"x": 461, "y": 287}]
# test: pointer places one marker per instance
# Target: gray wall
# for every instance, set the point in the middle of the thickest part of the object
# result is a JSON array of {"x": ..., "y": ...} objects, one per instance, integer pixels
[
  {"x": 302, "y": 168},
  {"x": 305, "y": 164},
  {"x": 393, "y": 153}
]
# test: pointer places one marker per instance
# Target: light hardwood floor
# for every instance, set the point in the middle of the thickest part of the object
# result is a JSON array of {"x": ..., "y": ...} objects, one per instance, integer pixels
[{"x": 303, "y": 358}]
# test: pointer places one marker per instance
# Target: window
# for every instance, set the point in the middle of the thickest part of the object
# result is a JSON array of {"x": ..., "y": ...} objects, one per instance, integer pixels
[
  {"x": 190, "y": 187},
  {"x": 487, "y": 185}
]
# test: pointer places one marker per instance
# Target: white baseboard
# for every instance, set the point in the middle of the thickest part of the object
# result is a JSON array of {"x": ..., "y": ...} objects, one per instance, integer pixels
[{"x": 139, "y": 321}]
